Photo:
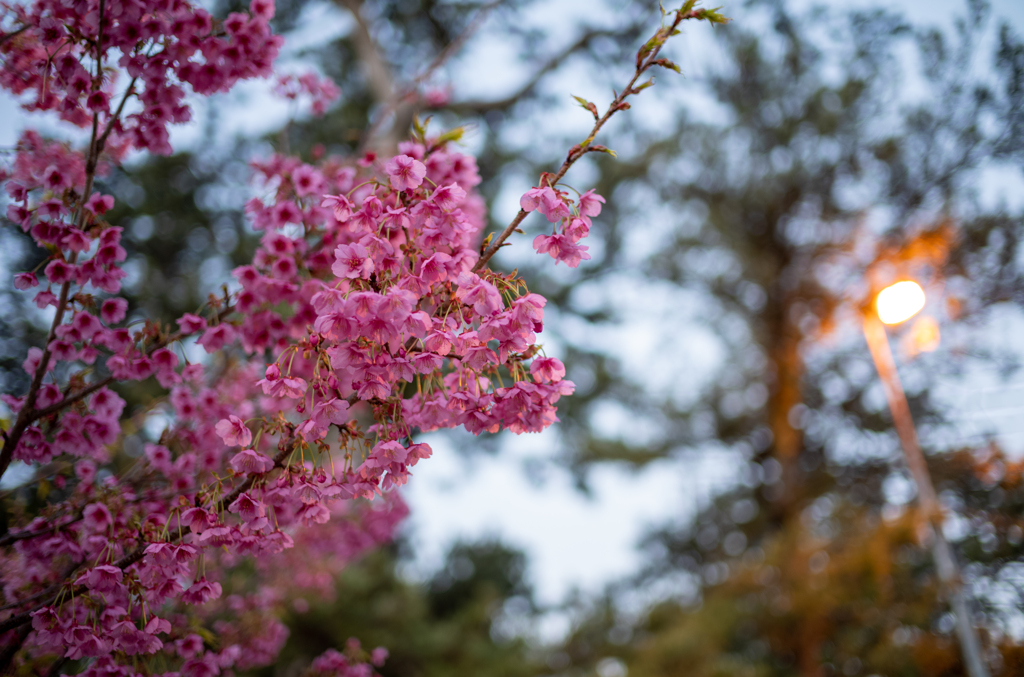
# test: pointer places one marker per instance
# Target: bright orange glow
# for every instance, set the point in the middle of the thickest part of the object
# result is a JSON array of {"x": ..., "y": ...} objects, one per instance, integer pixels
[
  {"x": 924, "y": 336},
  {"x": 899, "y": 302}
]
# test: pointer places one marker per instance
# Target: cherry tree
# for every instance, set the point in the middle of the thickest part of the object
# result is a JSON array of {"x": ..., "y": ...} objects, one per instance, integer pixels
[{"x": 368, "y": 313}]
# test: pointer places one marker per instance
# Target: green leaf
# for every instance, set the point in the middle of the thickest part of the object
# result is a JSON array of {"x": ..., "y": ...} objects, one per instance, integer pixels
[
  {"x": 665, "y": 63},
  {"x": 713, "y": 16},
  {"x": 455, "y": 134},
  {"x": 588, "y": 105}
]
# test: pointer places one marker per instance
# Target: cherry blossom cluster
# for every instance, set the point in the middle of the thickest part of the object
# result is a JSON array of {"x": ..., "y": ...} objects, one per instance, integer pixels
[
  {"x": 367, "y": 315},
  {"x": 570, "y": 225},
  {"x": 321, "y": 91},
  {"x": 385, "y": 308},
  {"x": 60, "y": 56},
  {"x": 151, "y": 556},
  {"x": 119, "y": 569}
]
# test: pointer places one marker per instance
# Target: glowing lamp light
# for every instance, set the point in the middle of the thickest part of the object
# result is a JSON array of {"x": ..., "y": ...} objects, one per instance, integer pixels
[{"x": 899, "y": 302}]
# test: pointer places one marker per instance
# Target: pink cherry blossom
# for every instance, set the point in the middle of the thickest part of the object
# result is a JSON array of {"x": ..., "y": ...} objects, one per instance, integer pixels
[
  {"x": 234, "y": 432},
  {"x": 405, "y": 172},
  {"x": 113, "y": 310},
  {"x": 352, "y": 261},
  {"x": 590, "y": 203},
  {"x": 562, "y": 249},
  {"x": 252, "y": 462},
  {"x": 547, "y": 369}
]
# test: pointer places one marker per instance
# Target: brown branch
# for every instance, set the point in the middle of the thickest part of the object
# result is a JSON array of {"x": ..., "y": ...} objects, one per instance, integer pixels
[
  {"x": 9, "y": 537},
  {"x": 644, "y": 62},
  {"x": 28, "y": 407},
  {"x": 101, "y": 144},
  {"x": 13, "y": 34}
]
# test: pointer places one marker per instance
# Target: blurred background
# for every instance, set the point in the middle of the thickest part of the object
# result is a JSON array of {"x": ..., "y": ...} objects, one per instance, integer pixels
[{"x": 725, "y": 494}]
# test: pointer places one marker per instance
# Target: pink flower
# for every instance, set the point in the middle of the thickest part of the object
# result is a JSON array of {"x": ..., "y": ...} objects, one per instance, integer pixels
[
  {"x": 25, "y": 281},
  {"x": 546, "y": 201},
  {"x": 233, "y": 431},
  {"x": 201, "y": 592},
  {"x": 435, "y": 268},
  {"x": 191, "y": 324},
  {"x": 485, "y": 299},
  {"x": 34, "y": 360},
  {"x": 352, "y": 261},
  {"x": 84, "y": 643},
  {"x": 159, "y": 456},
  {"x": 54, "y": 179},
  {"x": 189, "y": 646},
  {"x": 590, "y": 203},
  {"x": 198, "y": 519},
  {"x": 547, "y": 369},
  {"x": 48, "y": 394},
  {"x": 59, "y": 271},
  {"x": 447, "y": 198},
  {"x": 307, "y": 181},
  {"x": 96, "y": 517},
  {"x": 98, "y": 102},
  {"x": 44, "y": 299},
  {"x": 276, "y": 386},
  {"x": 87, "y": 324},
  {"x": 100, "y": 204},
  {"x": 248, "y": 508},
  {"x": 406, "y": 173},
  {"x": 340, "y": 204},
  {"x": 113, "y": 310},
  {"x": 165, "y": 362},
  {"x": 577, "y": 228},
  {"x": 251, "y": 462},
  {"x": 262, "y": 9},
  {"x": 104, "y": 578},
  {"x": 215, "y": 338},
  {"x": 562, "y": 249},
  {"x": 436, "y": 98},
  {"x": 324, "y": 414}
]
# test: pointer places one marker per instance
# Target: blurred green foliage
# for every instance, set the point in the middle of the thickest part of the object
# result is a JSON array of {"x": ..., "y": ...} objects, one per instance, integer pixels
[{"x": 458, "y": 622}]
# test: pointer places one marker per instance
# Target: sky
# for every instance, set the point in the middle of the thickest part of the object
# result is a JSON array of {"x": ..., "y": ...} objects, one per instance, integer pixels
[{"x": 574, "y": 540}]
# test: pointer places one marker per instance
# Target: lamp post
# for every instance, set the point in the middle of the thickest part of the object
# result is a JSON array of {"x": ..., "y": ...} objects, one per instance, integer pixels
[{"x": 893, "y": 305}]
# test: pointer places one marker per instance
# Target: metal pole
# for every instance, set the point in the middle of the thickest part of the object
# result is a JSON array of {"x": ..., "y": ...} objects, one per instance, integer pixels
[{"x": 942, "y": 553}]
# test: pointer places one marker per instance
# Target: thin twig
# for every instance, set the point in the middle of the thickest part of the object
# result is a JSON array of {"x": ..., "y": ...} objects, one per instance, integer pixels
[
  {"x": 13, "y": 34},
  {"x": 9, "y": 537},
  {"x": 583, "y": 148}
]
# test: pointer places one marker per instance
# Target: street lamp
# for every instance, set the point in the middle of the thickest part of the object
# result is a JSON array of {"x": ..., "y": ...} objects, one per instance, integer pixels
[{"x": 893, "y": 305}]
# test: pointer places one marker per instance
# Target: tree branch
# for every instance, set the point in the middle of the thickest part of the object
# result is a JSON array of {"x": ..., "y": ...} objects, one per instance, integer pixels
[
  {"x": 646, "y": 58},
  {"x": 22, "y": 422}
]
